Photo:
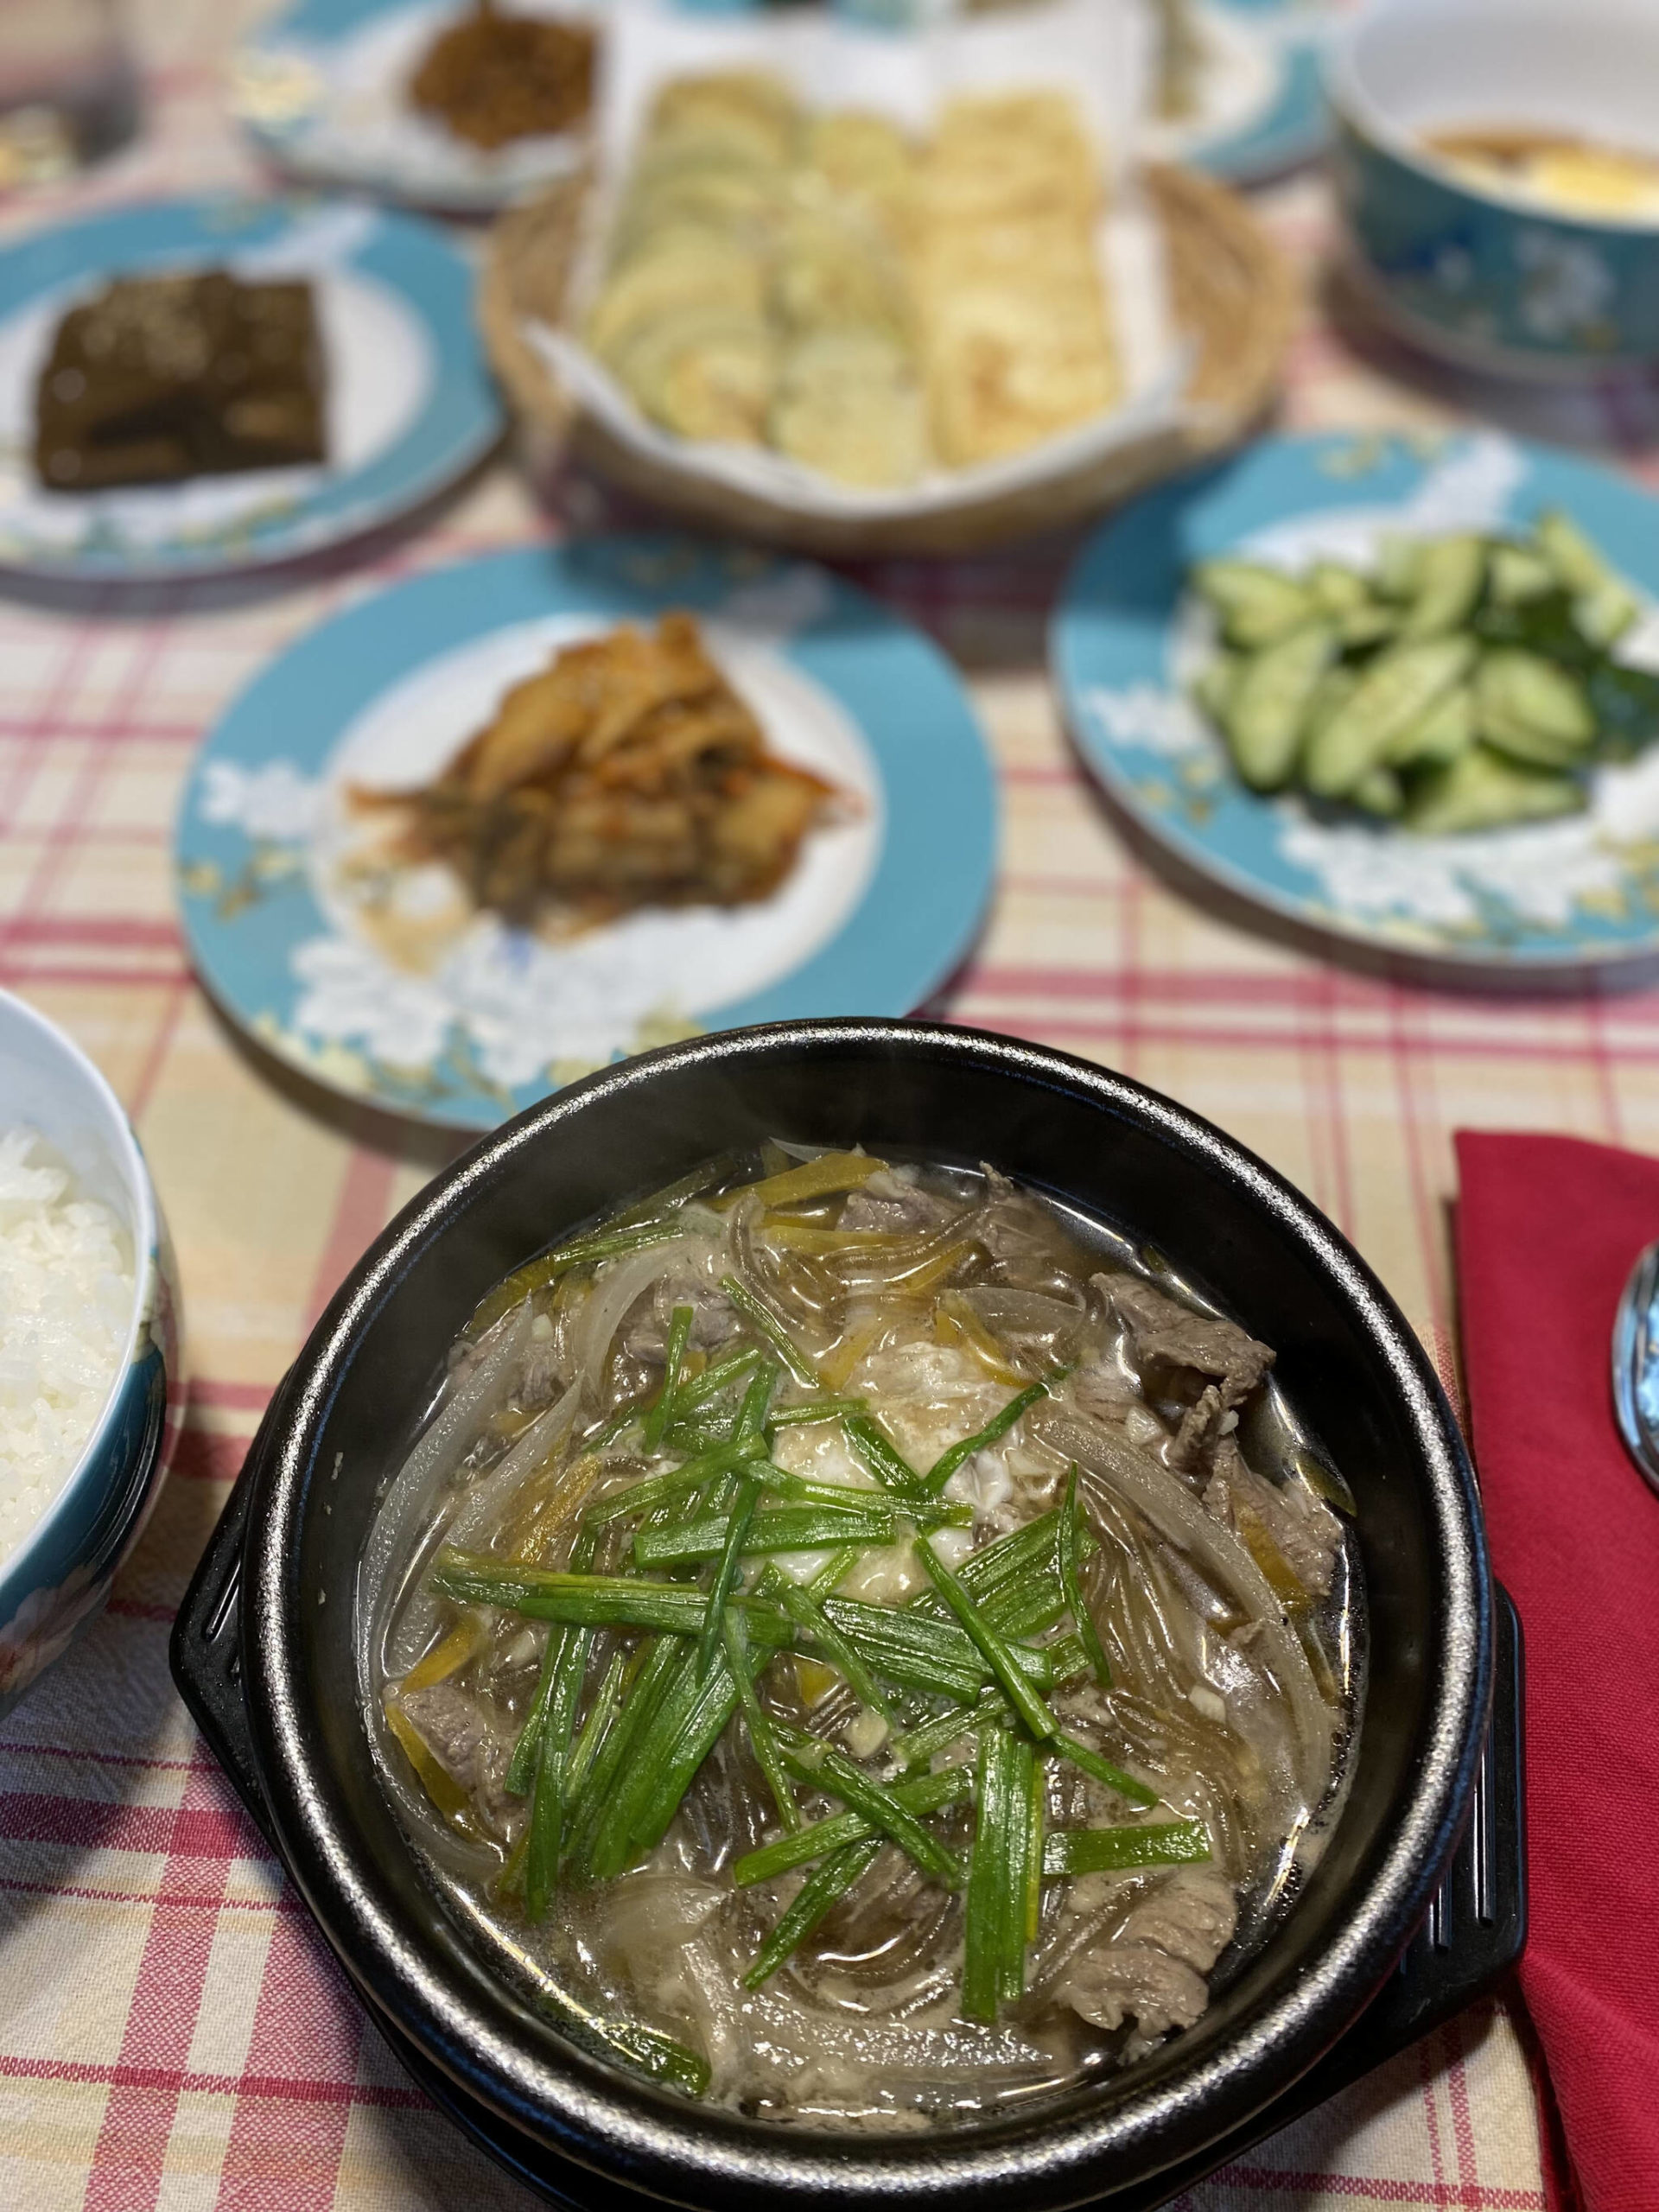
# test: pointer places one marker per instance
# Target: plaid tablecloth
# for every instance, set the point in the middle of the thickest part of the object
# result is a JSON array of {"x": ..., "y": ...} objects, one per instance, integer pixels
[{"x": 171, "y": 2034}]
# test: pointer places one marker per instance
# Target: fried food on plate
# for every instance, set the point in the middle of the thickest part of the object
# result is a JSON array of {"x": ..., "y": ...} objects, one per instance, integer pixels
[
  {"x": 628, "y": 773},
  {"x": 874, "y": 309}
]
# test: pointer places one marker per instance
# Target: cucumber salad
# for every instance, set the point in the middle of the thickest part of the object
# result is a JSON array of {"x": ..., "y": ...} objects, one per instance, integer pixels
[{"x": 1466, "y": 682}]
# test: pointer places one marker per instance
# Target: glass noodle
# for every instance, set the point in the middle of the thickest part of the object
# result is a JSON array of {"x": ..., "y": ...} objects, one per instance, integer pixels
[{"x": 860, "y": 1644}]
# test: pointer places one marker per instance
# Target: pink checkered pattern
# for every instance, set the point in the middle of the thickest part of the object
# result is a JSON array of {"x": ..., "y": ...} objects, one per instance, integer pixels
[{"x": 172, "y": 2036}]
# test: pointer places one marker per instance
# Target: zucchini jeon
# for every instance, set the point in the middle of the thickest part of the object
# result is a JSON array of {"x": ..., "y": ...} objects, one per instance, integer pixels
[
  {"x": 1465, "y": 683},
  {"x": 869, "y": 307}
]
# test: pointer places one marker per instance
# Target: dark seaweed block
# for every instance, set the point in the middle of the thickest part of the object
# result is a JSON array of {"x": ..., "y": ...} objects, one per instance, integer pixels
[{"x": 163, "y": 378}]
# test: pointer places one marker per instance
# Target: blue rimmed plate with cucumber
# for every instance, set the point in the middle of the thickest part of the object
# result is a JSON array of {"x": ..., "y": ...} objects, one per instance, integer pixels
[{"x": 1406, "y": 691}]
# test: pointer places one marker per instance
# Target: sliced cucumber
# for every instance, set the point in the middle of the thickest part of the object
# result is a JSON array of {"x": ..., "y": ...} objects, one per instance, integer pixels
[
  {"x": 1401, "y": 684},
  {"x": 1450, "y": 573},
  {"x": 1438, "y": 734},
  {"x": 1516, "y": 574},
  {"x": 1398, "y": 562},
  {"x": 1379, "y": 791},
  {"x": 1257, "y": 605},
  {"x": 1214, "y": 685},
  {"x": 1604, "y": 606},
  {"x": 1268, "y": 712},
  {"x": 1367, "y": 624},
  {"x": 1482, "y": 790},
  {"x": 1517, "y": 690},
  {"x": 1605, "y": 614},
  {"x": 1339, "y": 590}
]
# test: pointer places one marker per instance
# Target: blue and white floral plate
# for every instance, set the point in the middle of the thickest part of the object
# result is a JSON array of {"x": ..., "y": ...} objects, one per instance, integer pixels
[
  {"x": 1128, "y": 639},
  {"x": 1259, "y": 107},
  {"x": 382, "y": 984},
  {"x": 323, "y": 87},
  {"x": 410, "y": 404}
]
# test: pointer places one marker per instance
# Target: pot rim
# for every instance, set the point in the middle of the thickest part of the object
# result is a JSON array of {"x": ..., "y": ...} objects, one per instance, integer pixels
[{"x": 540, "y": 2084}]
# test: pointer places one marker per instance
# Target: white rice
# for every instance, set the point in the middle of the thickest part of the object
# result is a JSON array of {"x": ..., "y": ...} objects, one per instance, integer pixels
[{"x": 65, "y": 1304}]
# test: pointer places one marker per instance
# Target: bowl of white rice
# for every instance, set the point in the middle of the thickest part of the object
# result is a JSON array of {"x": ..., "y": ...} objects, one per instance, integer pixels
[{"x": 90, "y": 1397}]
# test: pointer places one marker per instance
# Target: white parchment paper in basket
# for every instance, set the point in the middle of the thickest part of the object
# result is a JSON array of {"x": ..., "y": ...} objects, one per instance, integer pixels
[{"x": 1096, "y": 50}]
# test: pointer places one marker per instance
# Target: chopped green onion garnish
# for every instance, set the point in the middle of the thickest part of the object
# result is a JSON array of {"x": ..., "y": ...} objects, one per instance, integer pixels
[
  {"x": 921, "y": 1793},
  {"x": 679, "y": 1335},
  {"x": 1105, "y": 1851},
  {"x": 763, "y": 1737},
  {"x": 760, "y": 1316},
  {"x": 1083, "y": 1619},
  {"x": 536, "y": 1275},
  {"x": 822, "y": 1765},
  {"x": 804, "y": 1609},
  {"x": 813, "y": 1409},
  {"x": 730, "y": 1550},
  {"x": 876, "y": 1449},
  {"x": 997, "y": 1653},
  {"x": 783, "y": 1528},
  {"x": 816, "y": 1895},
  {"x": 999, "y": 1879},
  {"x": 1102, "y": 1771},
  {"x": 999, "y": 1424}
]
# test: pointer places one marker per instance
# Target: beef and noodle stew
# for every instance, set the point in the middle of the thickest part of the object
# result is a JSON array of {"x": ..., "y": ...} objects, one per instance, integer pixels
[{"x": 860, "y": 1642}]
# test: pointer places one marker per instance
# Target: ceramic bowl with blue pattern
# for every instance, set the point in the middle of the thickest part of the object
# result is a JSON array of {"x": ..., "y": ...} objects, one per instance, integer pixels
[
  {"x": 57, "y": 1580},
  {"x": 1492, "y": 279}
]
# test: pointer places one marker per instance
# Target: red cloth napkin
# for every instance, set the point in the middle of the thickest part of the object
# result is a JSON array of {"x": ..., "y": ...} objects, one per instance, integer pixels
[{"x": 1547, "y": 1231}]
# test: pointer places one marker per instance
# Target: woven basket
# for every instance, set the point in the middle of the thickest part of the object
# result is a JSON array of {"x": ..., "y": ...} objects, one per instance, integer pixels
[{"x": 1233, "y": 296}]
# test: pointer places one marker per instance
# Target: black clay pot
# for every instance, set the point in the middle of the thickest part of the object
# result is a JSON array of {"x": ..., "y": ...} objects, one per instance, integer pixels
[{"x": 1349, "y": 1366}]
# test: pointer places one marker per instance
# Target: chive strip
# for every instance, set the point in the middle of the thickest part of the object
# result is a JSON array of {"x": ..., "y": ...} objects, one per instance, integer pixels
[
  {"x": 684, "y": 1731},
  {"x": 647, "y": 2050},
  {"x": 645, "y": 1496},
  {"x": 835, "y": 1570},
  {"x": 1066, "y": 1660},
  {"x": 1082, "y": 1619},
  {"x": 651, "y": 1721},
  {"x": 921, "y": 1793},
  {"x": 815, "y": 1410},
  {"x": 920, "y": 1743},
  {"x": 526, "y": 1753},
  {"x": 641, "y": 1696},
  {"x": 608, "y": 1699},
  {"x": 547, "y": 1806},
  {"x": 998, "y": 1878},
  {"x": 1105, "y": 1851},
  {"x": 782, "y": 1528},
  {"x": 521, "y": 1768},
  {"x": 679, "y": 1335},
  {"x": 889, "y": 1466},
  {"x": 536, "y": 1275},
  {"x": 733, "y": 1544},
  {"x": 998, "y": 1426},
  {"x": 850, "y": 1497},
  {"x": 804, "y": 1609},
  {"x": 760, "y": 1316},
  {"x": 714, "y": 1380},
  {"x": 821, "y": 1764},
  {"x": 763, "y": 1737},
  {"x": 752, "y": 1413},
  {"x": 1102, "y": 1771},
  {"x": 814, "y": 1899},
  {"x": 925, "y": 1654},
  {"x": 997, "y": 1653}
]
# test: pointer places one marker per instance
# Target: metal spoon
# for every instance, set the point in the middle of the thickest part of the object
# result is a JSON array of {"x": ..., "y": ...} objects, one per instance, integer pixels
[{"x": 1635, "y": 1365}]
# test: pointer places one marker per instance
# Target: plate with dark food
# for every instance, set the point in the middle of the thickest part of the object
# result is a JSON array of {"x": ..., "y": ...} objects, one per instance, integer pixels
[
  {"x": 1404, "y": 690},
  {"x": 507, "y": 823},
  {"x": 196, "y": 386},
  {"x": 459, "y": 106}
]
